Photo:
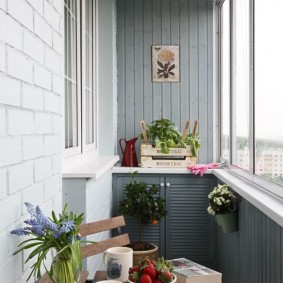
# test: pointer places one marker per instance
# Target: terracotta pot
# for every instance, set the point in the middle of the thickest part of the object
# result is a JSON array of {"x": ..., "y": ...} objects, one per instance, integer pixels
[{"x": 138, "y": 256}]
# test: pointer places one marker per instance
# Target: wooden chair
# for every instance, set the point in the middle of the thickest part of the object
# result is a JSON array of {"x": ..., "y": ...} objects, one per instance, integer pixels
[{"x": 99, "y": 247}]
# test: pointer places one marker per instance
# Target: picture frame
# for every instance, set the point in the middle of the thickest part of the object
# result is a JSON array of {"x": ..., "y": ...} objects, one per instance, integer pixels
[{"x": 165, "y": 63}]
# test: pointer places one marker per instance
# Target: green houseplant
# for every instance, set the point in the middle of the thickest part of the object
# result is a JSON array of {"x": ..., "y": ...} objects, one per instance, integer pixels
[
  {"x": 143, "y": 203},
  {"x": 60, "y": 233},
  {"x": 223, "y": 205},
  {"x": 163, "y": 134}
]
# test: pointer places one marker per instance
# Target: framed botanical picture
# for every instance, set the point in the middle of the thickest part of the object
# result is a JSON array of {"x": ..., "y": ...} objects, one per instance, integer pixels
[{"x": 165, "y": 63}]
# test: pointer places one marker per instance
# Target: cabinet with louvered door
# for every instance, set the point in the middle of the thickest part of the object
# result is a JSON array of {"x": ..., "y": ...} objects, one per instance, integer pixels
[{"x": 189, "y": 228}]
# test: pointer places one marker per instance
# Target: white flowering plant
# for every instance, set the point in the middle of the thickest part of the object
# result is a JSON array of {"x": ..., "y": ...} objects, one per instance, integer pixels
[
  {"x": 60, "y": 233},
  {"x": 221, "y": 200}
]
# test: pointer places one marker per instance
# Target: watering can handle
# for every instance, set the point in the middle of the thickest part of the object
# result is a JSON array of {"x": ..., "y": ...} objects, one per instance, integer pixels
[{"x": 121, "y": 145}]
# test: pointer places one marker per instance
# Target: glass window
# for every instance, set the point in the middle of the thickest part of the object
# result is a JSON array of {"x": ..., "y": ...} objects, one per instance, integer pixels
[
  {"x": 241, "y": 84},
  {"x": 268, "y": 57},
  {"x": 225, "y": 80},
  {"x": 80, "y": 96},
  {"x": 71, "y": 91}
]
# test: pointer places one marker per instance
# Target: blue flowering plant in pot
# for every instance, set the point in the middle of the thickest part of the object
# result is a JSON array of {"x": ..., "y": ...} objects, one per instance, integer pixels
[
  {"x": 58, "y": 233},
  {"x": 223, "y": 205}
]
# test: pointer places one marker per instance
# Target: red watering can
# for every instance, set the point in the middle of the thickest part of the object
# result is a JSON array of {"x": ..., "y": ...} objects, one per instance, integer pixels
[{"x": 129, "y": 153}]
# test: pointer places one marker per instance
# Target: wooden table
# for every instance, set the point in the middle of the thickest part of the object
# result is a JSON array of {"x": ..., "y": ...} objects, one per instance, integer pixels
[
  {"x": 99, "y": 275},
  {"x": 83, "y": 278}
]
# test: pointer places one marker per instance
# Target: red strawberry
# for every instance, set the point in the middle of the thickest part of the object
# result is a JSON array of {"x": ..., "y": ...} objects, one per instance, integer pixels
[
  {"x": 134, "y": 269},
  {"x": 134, "y": 273},
  {"x": 150, "y": 270},
  {"x": 145, "y": 278},
  {"x": 156, "y": 281},
  {"x": 165, "y": 277}
]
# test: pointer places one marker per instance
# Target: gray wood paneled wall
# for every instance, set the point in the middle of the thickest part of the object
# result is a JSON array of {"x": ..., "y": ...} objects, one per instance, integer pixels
[
  {"x": 143, "y": 23},
  {"x": 253, "y": 254}
]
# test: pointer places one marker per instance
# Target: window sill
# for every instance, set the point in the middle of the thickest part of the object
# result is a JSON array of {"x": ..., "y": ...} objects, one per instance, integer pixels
[
  {"x": 265, "y": 201},
  {"x": 88, "y": 165},
  {"x": 120, "y": 169}
]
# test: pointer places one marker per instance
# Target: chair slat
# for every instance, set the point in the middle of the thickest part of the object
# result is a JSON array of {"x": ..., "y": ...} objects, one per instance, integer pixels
[
  {"x": 100, "y": 247},
  {"x": 103, "y": 225}
]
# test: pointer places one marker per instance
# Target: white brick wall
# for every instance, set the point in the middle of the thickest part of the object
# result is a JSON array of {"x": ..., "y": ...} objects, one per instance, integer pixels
[
  {"x": 3, "y": 184},
  {"x": 10, "y": 91},
  {"x": 31, "y": 94},
  {"x": 22, "y": 12},
  {"x": 33, "y": 46},
  {"x": 43, "y": 29},
  {"x": 19, "y": 65},
  {"x": 43, "y": 123},
  {"x": 3, "y": 4},
  {"x": 32, "y": 97},
  {"x": 43, "y": 169},
  {"x": 2, "y": 57},
  {"x": 12, "y": 38},
  {"x": 2, "y": 122},
  {"x": 20, "y": 176},
  {"x": 20, "y": 122}
]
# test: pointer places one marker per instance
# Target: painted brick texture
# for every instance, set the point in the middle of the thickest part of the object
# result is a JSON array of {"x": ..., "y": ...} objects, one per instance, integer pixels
[{"x": 31, "y": 99}]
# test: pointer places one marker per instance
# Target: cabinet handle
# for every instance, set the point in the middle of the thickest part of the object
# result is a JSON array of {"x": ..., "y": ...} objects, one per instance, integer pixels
[
  {"x": 168, "y": 184},
  {"x": 161, "y": 184}
]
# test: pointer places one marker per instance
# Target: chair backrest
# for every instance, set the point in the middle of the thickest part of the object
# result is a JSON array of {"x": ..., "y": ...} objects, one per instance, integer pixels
[{"x": 100, "y": 226}]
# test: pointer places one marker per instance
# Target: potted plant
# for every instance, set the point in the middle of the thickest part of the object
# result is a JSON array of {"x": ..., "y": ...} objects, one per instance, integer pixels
[
  {"x": 152, "y": 271},
  {"x": 59, "y": 233},
  {"x": 163, "y": 134},
  {"x": 223, "y": 205},
  {"x": 143, "y": 204}
]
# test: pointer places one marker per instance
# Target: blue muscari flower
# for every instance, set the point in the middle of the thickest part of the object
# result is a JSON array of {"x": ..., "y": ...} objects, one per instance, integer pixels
[
  {"x": 30, "y": 208},
  {"x": 20, "y": 232},
  {"x": 67, "y": 227},
  {"x": 38, "y": 230}
]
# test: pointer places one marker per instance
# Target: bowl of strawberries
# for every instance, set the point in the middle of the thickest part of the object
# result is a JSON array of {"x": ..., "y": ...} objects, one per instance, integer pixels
[{"x": 152, "y": 271}]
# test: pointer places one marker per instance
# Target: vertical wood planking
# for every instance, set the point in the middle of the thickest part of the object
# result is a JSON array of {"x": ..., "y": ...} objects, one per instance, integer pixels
[
  {"x": 253, "y": 254},
  {"x": 121, "y": 77},
  {"x": 130, "y": 47},
  {"x": 166, "y": 40},
  {"x": 175, "y": 40},
  {"x": 193, "y": 45},
  {"x": 184, "y": 61},
  {"x": 141, "y": 24},
  {"x": 156, "y": 40},
  {"x": 147, "y": 42},
  {"x": 138, "y": 49}
]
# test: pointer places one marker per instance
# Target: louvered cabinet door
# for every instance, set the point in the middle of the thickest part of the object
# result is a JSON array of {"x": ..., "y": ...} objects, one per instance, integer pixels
[
  {"x": 189, "y": 228},
  {"x": 150, "y": 233}
]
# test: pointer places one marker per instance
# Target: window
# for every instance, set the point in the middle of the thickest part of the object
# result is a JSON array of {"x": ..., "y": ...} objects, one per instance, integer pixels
[
  {"x": 251, "y": 100},
  {"x": 80, "y": 92},
  {"x": 225, "y": 81}
]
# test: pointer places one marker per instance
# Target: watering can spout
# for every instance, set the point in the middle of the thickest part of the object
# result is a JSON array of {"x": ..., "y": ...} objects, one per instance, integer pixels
[{"x": 129, "y": 153}]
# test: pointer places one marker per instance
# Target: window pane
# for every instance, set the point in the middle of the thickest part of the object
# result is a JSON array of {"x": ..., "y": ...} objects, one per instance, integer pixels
[
  {"x": 225, "y": 80},
  {"x": 268, "y": 90},
  {"x": 71, "y": 95},
  {"x": 89, "y": 65},
  {"x": 240, "y": 85}
]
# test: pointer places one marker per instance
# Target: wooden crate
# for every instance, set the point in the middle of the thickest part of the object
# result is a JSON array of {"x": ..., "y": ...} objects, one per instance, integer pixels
[{"x": 177, "y": 158}]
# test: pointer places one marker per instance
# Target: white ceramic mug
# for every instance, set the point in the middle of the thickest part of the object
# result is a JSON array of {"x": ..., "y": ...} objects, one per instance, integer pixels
[{"x": 118, "y": 260}]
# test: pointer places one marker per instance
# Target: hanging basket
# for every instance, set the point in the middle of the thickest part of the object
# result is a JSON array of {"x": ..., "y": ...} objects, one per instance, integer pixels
[{"x": 229, "y": 222}]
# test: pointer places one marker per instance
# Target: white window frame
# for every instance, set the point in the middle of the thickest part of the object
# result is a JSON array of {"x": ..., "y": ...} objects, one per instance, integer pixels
[
  {"x": 81, "y": 101},
  {"x": 263, "y": 184},
  {"x": 92, "y": 146}
]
